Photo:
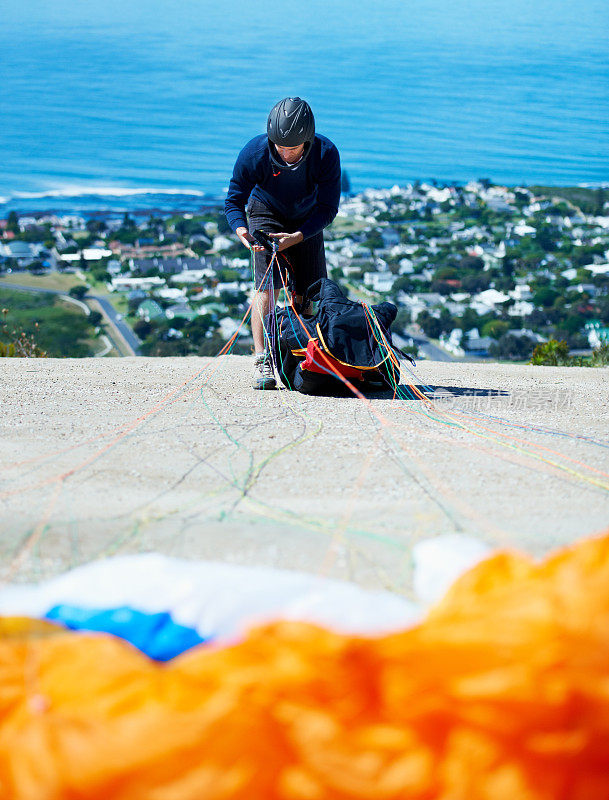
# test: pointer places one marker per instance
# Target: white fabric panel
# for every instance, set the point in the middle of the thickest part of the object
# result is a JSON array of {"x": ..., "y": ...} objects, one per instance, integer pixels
[
  {"x": 438, "y": 562},
  {"x": 218, "y": 600}
]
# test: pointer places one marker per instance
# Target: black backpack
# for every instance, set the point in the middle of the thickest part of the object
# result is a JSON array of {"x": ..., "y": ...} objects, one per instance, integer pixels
[{"x": 343, "y": 340}]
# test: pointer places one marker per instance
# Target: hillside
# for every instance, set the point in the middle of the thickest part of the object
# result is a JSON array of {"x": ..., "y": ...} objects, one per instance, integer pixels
[{"x": 181, "y": 456}]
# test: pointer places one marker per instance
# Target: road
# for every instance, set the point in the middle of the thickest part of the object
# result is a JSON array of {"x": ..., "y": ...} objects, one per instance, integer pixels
[
  {"x": 124, "y": 330},
  {"x": 119, "y": 329},
  {"x": 426, "y": 348}
]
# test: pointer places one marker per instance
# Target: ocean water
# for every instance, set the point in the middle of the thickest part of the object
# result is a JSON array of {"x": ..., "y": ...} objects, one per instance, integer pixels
[{"x": 111, "y": 104}]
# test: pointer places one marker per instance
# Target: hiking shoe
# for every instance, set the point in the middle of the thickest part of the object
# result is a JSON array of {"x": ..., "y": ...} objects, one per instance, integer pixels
[{"x": 264, "y": 377}]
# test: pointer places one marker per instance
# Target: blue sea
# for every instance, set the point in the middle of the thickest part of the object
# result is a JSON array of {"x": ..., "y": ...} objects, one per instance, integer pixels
[{"x": 146, "y": 103}]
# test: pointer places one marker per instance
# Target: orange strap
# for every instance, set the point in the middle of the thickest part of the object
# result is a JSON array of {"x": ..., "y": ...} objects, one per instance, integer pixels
[{"x": 314, "y": 362}]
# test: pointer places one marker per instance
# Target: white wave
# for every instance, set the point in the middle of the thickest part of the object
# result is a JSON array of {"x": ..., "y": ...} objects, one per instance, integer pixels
[
  {"x": 101, "y": 191},
  {"x": 596, "y": 185},
  {"x": 3, "y": 200}
]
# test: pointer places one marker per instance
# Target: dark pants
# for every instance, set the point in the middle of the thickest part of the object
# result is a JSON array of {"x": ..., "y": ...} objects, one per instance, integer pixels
[{"x": 305, "y": 262}]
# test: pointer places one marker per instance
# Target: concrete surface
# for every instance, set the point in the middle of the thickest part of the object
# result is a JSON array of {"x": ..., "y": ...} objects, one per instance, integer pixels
[{"x": 180, "y": 455}]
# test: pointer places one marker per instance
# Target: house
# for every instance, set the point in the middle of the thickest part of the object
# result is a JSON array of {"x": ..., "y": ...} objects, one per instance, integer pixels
[
  {"x": 477, "y": 345},
  {"x": 349, "y": 270},
  {"x": 23, "y": 252},
  {"x": 173, "y": 333},
  {"x": 390, "y": 237},
  {"x": 597, "y": 333},
  {"x": 222, "y": 243},
  {"x": 598, "y": 269},
  {"x": 452, "y": 342},
  {"x": 122, "y": 284},
  {"x": 588, "y": 288},
  {"x": 95, "y": 253},
  {"x": 168, "y": 237},
  {"x": 167, "y": 293},
  {"x": 522, "y": 229},
  {"x": 412, "y": 303},
  {"x": 196, "y": 238},
  {"x": 488, "y": 300},
  {"x": 521, "y": 308},
  {"x": 88, "y": 254},
  {"x": 431, "y": 299},
  {"x": 527, "y": 333},
  {"x": 456, "y": 309},
  {"x": 521, "y": 292},
  {"x": 141, "y": 266},
  {"x": 165, "y": 265},
  {"x": 181, "y": 311},
  {"x": 193, "y": 275},
  {"x": 149, "y": 310},
  {"x": 215, "y": 309},
  {"x": 379, "y": 281},
  {"x": 231, "y": 286},
  {"x": 400, "y": 250},
  {"x": 229, "y": 326},
  {"x": 136, "y": 295}
]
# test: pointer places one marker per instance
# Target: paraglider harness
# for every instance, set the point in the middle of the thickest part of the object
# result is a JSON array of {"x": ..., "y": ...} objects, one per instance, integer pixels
[{"x": 343, "y": 341}]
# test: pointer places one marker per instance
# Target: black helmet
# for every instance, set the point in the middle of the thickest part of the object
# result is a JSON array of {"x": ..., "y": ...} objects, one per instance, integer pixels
[{"x": 291, "y": 122}]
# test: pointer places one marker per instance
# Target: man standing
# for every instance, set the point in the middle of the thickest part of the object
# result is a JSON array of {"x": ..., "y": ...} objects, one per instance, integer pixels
[{"x": 288, "y": 181}]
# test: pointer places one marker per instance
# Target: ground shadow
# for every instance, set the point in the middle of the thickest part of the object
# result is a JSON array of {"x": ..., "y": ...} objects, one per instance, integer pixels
[
  {"x": 408, "y": 392},
  {"x": 414, "y": 392}
]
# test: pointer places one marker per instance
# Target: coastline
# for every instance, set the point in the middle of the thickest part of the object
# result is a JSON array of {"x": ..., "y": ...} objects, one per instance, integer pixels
[{"x": 106, "y": 200}]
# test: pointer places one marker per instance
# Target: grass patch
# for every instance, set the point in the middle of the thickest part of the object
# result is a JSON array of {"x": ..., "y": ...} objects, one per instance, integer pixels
[
  {"x": 360, "y": 292},
  {"x": 60, "y": 281},
  {"x": 119, "y": 302},
  {"x": 342, "y": 225},
  {"x": 60, "y": 331},
  {"x": 584, "y": 198}
]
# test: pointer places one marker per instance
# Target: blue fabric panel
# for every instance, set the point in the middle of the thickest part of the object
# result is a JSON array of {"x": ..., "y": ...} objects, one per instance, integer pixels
[{"x": 156, "y": 635}]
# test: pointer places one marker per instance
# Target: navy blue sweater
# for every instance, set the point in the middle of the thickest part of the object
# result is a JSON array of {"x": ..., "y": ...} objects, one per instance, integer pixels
[{"x": 307, "y": 195}]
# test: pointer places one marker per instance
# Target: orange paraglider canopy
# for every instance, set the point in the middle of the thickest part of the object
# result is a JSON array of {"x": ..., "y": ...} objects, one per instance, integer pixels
[{"x": 502, "y": 693}]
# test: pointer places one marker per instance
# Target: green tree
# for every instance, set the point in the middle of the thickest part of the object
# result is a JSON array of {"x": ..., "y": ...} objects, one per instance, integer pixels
[
  {"x": 100, "y": 274},
  {"x": 197, "y": 328},
  {"x": 223, "y": 226},
  {"x": 474, "y": 263},
  {"x": 545, "y": 296},
  {"x": 128, "y": 222},
  {"x": 546, "y": 237},
  {"x": 402, "y": 320},
  {"x": 600, "y": 357},
  {"x": 600, "y": 198},
  {"x": 469, "y": 320},
  {"x": 512, "y": 348},
  {"x": 551, "y": 354},
  {"x": 232, "y": 298},
  {"x": 78, "y": 291},
  {"x": 495, "y": 328},
  {"x": 345, "y": 183},
  {"x": 12, "y": 222},
  {"x": 475, "y": 283},
  {"x": 403, "y": 284},
  {"x": 374, "y": 240},
  {"x": 431, "y": 326}
]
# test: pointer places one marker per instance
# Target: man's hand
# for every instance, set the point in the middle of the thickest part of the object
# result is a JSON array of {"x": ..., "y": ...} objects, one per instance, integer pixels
[
  {"x": 285, "y": 240},
  {"x": 248, "y": 240}
]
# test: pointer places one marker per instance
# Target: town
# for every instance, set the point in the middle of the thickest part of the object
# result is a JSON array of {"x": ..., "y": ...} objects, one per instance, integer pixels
[{"x": 477, "y": 271}]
